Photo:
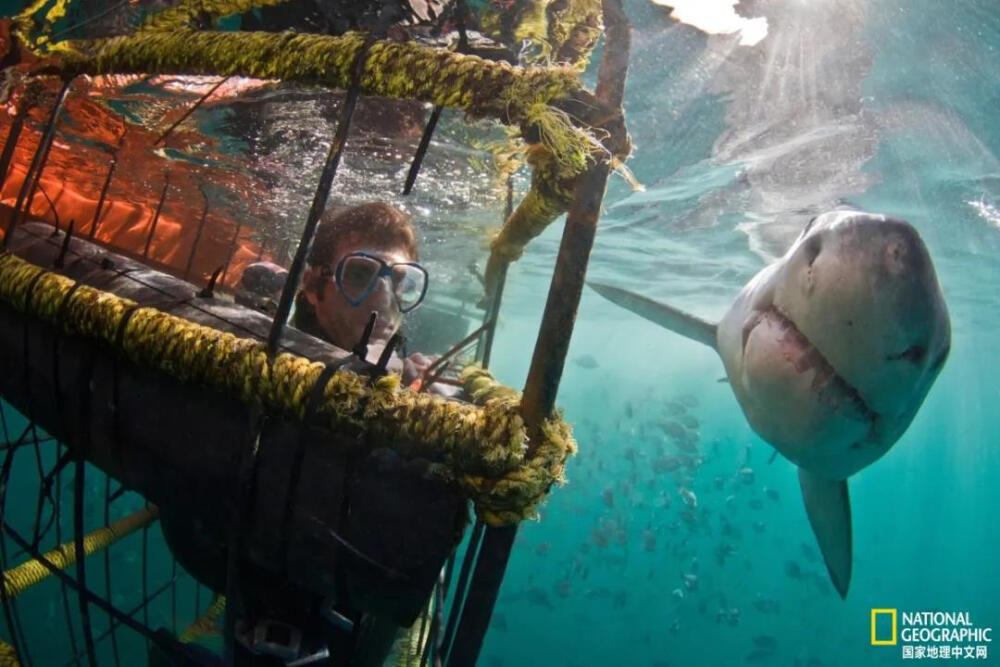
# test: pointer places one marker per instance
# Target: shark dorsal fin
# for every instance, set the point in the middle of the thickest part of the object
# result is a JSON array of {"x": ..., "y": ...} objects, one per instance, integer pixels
[{"x": 666, "y": 316}]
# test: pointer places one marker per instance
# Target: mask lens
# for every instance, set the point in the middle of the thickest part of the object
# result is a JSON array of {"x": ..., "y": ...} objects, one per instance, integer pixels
[
  {"x": 409, "y": 282},
  {"x": 357, "y": 274}
]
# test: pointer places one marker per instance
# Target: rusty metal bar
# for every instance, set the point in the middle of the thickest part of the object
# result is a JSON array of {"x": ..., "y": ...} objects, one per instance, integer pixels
[
  {"x": 425, "y": 142},
  {"x": 552, "y": 344},
  {"x": 31, "y": 177},
  {"x": 201, "y": 100},
  {"x": 100, "y": 200},
  {"x": 156, "y": 215},
  {"x": 493, "y": 313},
  {"x": 10, "y": 143},
  {"x": 197, "y": 238},
  {"x": 319, "y": 201}
]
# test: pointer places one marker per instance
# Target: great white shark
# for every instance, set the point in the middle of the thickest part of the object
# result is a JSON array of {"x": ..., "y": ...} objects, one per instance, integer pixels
[{"x": 830, "y": 351}]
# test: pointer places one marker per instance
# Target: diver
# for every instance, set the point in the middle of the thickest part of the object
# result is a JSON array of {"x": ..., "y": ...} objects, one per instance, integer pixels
[{"x": 364, "y": 259}]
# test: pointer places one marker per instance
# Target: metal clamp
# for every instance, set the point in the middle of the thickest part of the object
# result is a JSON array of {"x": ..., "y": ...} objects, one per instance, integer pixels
[
  {"x": 334, "y": 617},
  {"x": 270, "y": 637}
]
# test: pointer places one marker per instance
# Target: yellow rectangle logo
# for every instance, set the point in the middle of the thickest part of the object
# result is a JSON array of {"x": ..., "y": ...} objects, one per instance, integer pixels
[{"x": 883, "y": 642}]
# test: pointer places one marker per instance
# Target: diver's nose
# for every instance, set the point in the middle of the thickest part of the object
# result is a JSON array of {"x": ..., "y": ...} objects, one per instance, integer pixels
[{"x": 382, "y": 294}]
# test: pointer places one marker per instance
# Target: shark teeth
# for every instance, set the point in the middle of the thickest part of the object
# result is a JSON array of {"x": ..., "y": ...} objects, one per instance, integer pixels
[{"x": 826, "y": 379}]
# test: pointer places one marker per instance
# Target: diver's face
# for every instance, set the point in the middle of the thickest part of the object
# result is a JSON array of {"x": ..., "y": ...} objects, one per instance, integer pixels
[{"x": 343, "y": 322}]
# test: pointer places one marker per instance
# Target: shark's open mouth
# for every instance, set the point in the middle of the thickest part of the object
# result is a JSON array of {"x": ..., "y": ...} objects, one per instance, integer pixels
[{"x": 826, "y": 379}]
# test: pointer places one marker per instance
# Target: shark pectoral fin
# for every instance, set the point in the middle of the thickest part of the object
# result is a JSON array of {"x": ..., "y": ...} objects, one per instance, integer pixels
[
  {"x": 828, "y": 506},
  {"x": 658, "y": 313}
]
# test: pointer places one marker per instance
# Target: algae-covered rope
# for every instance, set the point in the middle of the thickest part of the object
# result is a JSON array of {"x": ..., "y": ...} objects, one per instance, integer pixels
[
  {"x": 8, "y": 656},
  {"x": 18, "y": 579},
  {"x": 483, "y": 447},
  {"x": 205, "y": 625}
]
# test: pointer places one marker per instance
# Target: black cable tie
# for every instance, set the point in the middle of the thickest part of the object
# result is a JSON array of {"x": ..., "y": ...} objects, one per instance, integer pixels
[
  {"x": 209, "y": 291},
  {"x": 361, "y": 349},
  {"x": 61, "y": 258},
  {"x": 390, "y": 347}
]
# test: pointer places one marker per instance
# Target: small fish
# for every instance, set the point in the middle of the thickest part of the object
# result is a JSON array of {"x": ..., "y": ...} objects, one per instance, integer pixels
[
  {"x": 688, "y": 421},
  {"x": 608, "y": 496},
  {"x": 666, "y": 463},
  {"x": 678, "y": 593},
  {"x": 772, "y": 494},
  {"x": 586, "y": 361},
  {"x": 767, "y": 605},
  {"x": 690, "y": 462},
  {"x": 674, "y": 430},
  {"x": 687, "y": 444},
  {"x": 687, "y": 400},
  {"x": 673, "y": 409},
  {"x": 766, "y": 642},
  {"x": 808, "y": 553},
  {"x": 722, "y": 552},
  {"x": 756, "y": 503},
  {"x": 793, "y": 570},
  {"x": 563, "y": 588},
  {"x": 691, "y": 582},
  {"x": 688, "y": 496},
  {"x": 499, "y": 621},
  {"x": 539, "y": 598},
  {"x": 746, "y": 475},
  {"x": 649, "y": 540},
  {"x": 543, "y": 548},
  {"x": 629, "y": 410},
  {"x": 620, "y": 599}
]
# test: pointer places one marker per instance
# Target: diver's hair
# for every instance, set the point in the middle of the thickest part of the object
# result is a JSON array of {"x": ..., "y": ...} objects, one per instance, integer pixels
[{"x": 376, "y": 224}]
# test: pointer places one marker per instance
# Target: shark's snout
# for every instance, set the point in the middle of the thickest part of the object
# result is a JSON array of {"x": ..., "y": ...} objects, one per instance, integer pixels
[{"x": 861, "y": 288}]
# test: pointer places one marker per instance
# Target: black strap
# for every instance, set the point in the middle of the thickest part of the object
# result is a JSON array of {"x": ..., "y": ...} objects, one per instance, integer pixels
[{"x": 312, "y": 405}]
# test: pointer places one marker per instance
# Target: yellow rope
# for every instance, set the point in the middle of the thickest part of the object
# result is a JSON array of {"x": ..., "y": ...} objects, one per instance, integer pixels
[
  {"x": 8, "y": 658},
  {"x": 18, "y": 579},
  {"x": 407, "y": 70},
  {"x": 483, "y": 448},
  {"x": 187, "y": 12},
  {"x": 205, "y": 625}
]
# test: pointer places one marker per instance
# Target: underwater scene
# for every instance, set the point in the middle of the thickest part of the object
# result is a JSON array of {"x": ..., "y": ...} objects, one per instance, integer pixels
[{"x": 804, "y": 237}]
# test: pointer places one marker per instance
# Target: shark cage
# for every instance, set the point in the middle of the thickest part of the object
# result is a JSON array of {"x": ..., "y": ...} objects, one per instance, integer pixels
[{"x": 186, "y": 478}]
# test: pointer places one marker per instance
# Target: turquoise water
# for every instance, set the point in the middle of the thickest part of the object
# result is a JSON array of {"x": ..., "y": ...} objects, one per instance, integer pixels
[
  {"x": 915, "y": 134},
  {"x": 889, "y": 106}
]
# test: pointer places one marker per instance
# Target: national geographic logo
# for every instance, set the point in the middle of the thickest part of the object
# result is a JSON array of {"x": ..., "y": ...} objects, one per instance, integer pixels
[
  {"x": 931, "y": 634},
  {"x": 891, "y": 641}
]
